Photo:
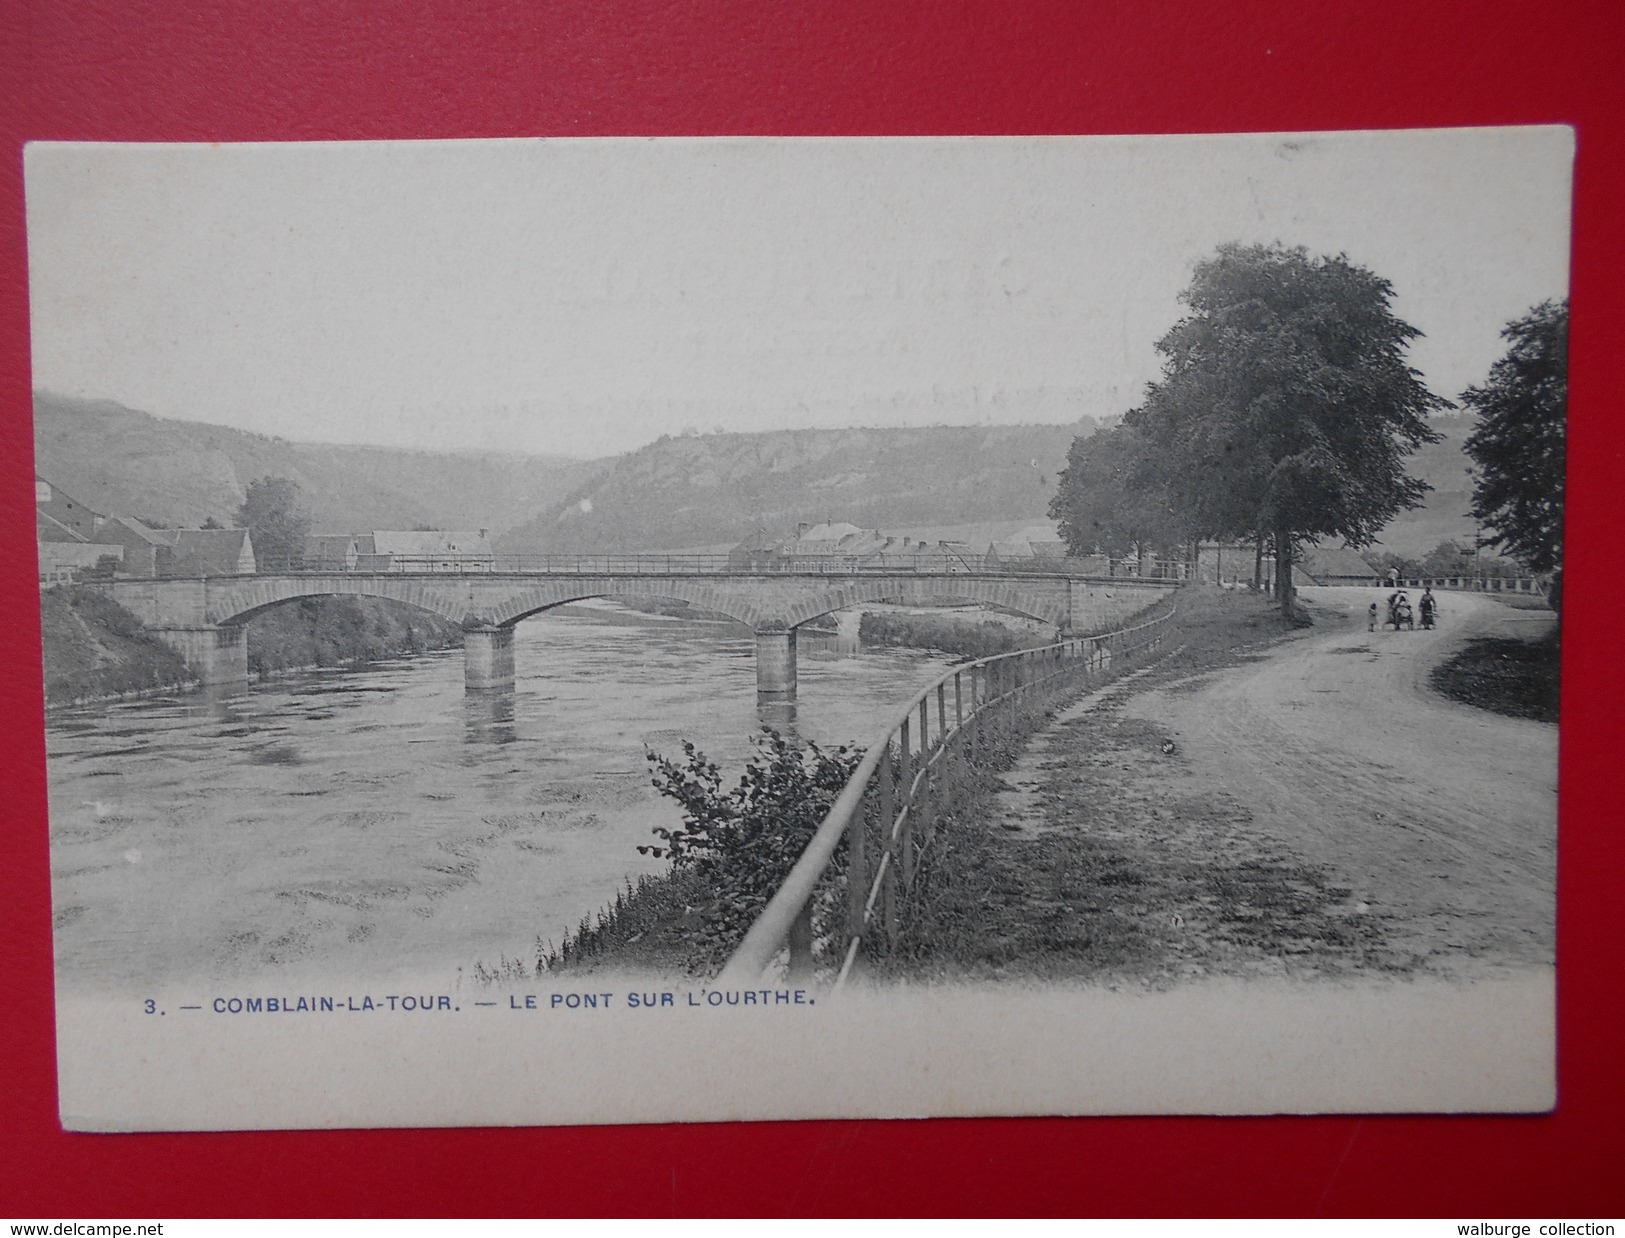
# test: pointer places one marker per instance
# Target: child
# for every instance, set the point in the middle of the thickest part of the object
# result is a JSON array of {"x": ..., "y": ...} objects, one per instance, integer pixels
[{"x": 1371, "y": 616}]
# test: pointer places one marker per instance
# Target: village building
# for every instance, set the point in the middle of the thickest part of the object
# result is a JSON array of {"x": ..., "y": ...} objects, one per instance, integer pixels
[
  {"x": 66, "y": 533},
  {"x": 63, "y": 511},
  {"x": 1232, "y": 563},
  {"x": 146, "y": 550},
  {"x": 828, "y": 546},
  {"x": 390, "y": 550},
  {"x": 210, "y": 552},
  {"x": 1322, "y": 565},
  {"x": 332, "y": 552}
]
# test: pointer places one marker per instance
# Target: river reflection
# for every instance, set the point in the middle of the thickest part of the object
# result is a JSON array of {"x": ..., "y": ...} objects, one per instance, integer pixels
[{"x": 382, "y": 822}]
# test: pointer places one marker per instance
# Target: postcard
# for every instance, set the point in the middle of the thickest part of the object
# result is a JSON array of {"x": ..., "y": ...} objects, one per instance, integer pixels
[{"x": 556, "y": 631}]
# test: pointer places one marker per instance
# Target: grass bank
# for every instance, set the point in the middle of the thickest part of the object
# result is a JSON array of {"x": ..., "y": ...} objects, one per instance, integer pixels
[
  {"x": 1084, "y": 860},
  {"x": 340, "y": 631},
  {"x": 957, "y": 636},
  {"x": 1506, "y": 676},
  {"x": 658, "y": 924},
  {"x": 94, "y": 648}
]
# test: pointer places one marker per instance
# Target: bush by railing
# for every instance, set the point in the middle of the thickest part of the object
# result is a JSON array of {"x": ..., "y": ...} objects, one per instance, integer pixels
[{"x": 887, "y": 808}]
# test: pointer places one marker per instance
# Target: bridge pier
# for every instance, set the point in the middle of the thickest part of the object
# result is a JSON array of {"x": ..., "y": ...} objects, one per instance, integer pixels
[
  {"x": 776, "y": 665},
  {"x": 217, "y": 655},
  {"x": 488, "y": 659}
]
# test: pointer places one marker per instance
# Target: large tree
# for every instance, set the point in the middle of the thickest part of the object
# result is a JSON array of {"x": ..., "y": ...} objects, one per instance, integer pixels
[
  {"x": 1286, "y": 407},
  {"x": 274, "y": 514},
  {"x": 1519, "y": 441},
  {"x": 1112, "y": 500}
]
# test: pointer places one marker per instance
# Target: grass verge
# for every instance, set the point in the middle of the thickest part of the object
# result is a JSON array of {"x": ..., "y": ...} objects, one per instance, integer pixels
[
  {"x": 1506, "y": 676},
  {"x": 1093, "y": 860},
  {"x": 985, "y": 906}
]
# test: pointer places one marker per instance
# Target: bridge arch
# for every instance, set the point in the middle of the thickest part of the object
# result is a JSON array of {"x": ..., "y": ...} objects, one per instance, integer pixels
[
  {"x": 1044, "y": 608},
  {"x": 241, "y": 601},
  {"x": 536, "y": 599}
]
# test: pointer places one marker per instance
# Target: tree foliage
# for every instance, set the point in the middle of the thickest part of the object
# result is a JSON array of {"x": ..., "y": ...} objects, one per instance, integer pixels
[
  {"x": 742, "y": 840},
  {"x": 1286, "y": 407},
  {"x": 1519, "y": 442},
  {"x": 274, "y": 514},
  {"x": 1112, "y": 499}
]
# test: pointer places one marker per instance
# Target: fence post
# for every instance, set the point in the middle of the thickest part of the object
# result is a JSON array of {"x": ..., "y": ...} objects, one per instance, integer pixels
[
  {"x": 801, "y": 943},
  {"x": 857, "y": 870},
  {"x": 905, "y": 800},
  {"x": 924, "y": 798},
  {"x": 888, "y": 850}
]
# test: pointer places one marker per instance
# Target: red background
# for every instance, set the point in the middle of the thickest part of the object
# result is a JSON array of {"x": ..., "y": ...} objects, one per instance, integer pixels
[{"x": 181, "y": 70}]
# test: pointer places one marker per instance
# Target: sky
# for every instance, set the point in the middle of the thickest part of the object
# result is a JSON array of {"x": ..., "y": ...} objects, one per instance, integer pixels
[{"x": 585, "y": 296}]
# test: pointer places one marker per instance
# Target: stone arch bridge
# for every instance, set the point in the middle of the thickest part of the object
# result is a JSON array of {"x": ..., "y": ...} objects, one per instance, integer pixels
[{"x": 203, "y": 618}]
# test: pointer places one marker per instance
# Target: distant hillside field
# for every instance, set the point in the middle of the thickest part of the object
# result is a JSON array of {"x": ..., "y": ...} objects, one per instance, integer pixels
[
  {"x": 1443, "y": 465},
  {"x": 121, "y": 461},
  {"x": 971, "y": 483},
  {"x": 714, "y": 489}
]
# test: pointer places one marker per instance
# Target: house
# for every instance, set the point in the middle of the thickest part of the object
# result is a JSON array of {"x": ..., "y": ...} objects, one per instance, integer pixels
[
  {"x": 63, "y": 511},
  {"x": 64, "y": 561},
  {"x": 816, "y": 547},
  {"x": 759, "y": 550},
  {"x": 151, "y": 552},
  {"x": 1043, "y": 540},
  {"x": 147, "y": 551},
  {"x": 1326, "y": 564},
  {"x": 332, "y": 552},
  {"x": 425, "y": 550},
  {"x": 210, "y": 552},
  {"x": 1009, "y": 554}
]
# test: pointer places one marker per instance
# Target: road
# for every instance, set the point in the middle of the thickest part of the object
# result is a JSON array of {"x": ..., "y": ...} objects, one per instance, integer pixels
[{"x": 1442, "y": 818}]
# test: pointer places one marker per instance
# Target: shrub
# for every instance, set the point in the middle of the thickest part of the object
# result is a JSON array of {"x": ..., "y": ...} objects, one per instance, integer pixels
[{"x": 740, "y": 842}]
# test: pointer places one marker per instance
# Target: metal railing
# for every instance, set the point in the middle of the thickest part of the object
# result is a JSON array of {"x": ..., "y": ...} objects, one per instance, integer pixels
[
  {"x": 909, "y": 775},
  {"x": 1456, "y": 584},
  {"x": 705, "y": 565}
]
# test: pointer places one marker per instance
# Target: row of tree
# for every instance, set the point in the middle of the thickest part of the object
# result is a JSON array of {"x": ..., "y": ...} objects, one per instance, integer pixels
[{"x": 1286, "y": 410}]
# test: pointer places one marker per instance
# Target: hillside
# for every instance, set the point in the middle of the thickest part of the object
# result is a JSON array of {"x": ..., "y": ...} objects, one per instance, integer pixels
[
  {"x": 701, "y": 490},
  {"x": 1443, "y": 465},
  {"x": 122, "y": 461},
  {"x": 712, "y": 490},
  {"x": 973, "y": 482}
]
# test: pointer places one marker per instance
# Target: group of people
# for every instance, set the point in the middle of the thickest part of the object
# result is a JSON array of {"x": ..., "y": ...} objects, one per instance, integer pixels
[{"x": 1399, "y": 609}]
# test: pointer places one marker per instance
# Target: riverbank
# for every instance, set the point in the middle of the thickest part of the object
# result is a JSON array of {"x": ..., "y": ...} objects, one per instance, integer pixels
[
  {"x": 1299, "y": 806},
  {"x": 1027, "y": 882},
  {"x": 96, "y": 650},
  {"x": 383, "y": 823},
  {"x": 962, "y": 635},
  {"x": 319, "y": 632},
  {"x": 661, "y": 924}
]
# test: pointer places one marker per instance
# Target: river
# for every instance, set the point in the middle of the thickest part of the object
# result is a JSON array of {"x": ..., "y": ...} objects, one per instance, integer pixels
[{"x": 378, "y": 823}]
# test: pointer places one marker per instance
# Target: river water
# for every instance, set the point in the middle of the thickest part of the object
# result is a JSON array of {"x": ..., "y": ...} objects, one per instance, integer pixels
[{"x": 377, "y": 823}]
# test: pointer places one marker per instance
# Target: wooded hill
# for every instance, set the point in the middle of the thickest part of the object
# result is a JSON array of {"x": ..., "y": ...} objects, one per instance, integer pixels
[
  {"x": 120, "y": 461},
  {"x": 688, "y": 491},
  {"x": 1443, "y": 515},
  {"x": 714, "y": 489}
]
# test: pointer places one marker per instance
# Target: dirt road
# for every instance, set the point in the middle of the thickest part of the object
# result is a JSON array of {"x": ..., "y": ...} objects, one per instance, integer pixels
[{"x": 1439, "y": 817}]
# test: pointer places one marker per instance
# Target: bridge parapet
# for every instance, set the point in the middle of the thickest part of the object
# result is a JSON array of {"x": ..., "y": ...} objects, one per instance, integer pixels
[
  {"x": 488, "y": 605},
  {"x": 1533, "y": 585}
]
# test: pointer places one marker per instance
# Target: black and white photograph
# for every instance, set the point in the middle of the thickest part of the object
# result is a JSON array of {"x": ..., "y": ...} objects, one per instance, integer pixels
[{"x": 612, "y": 630}]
